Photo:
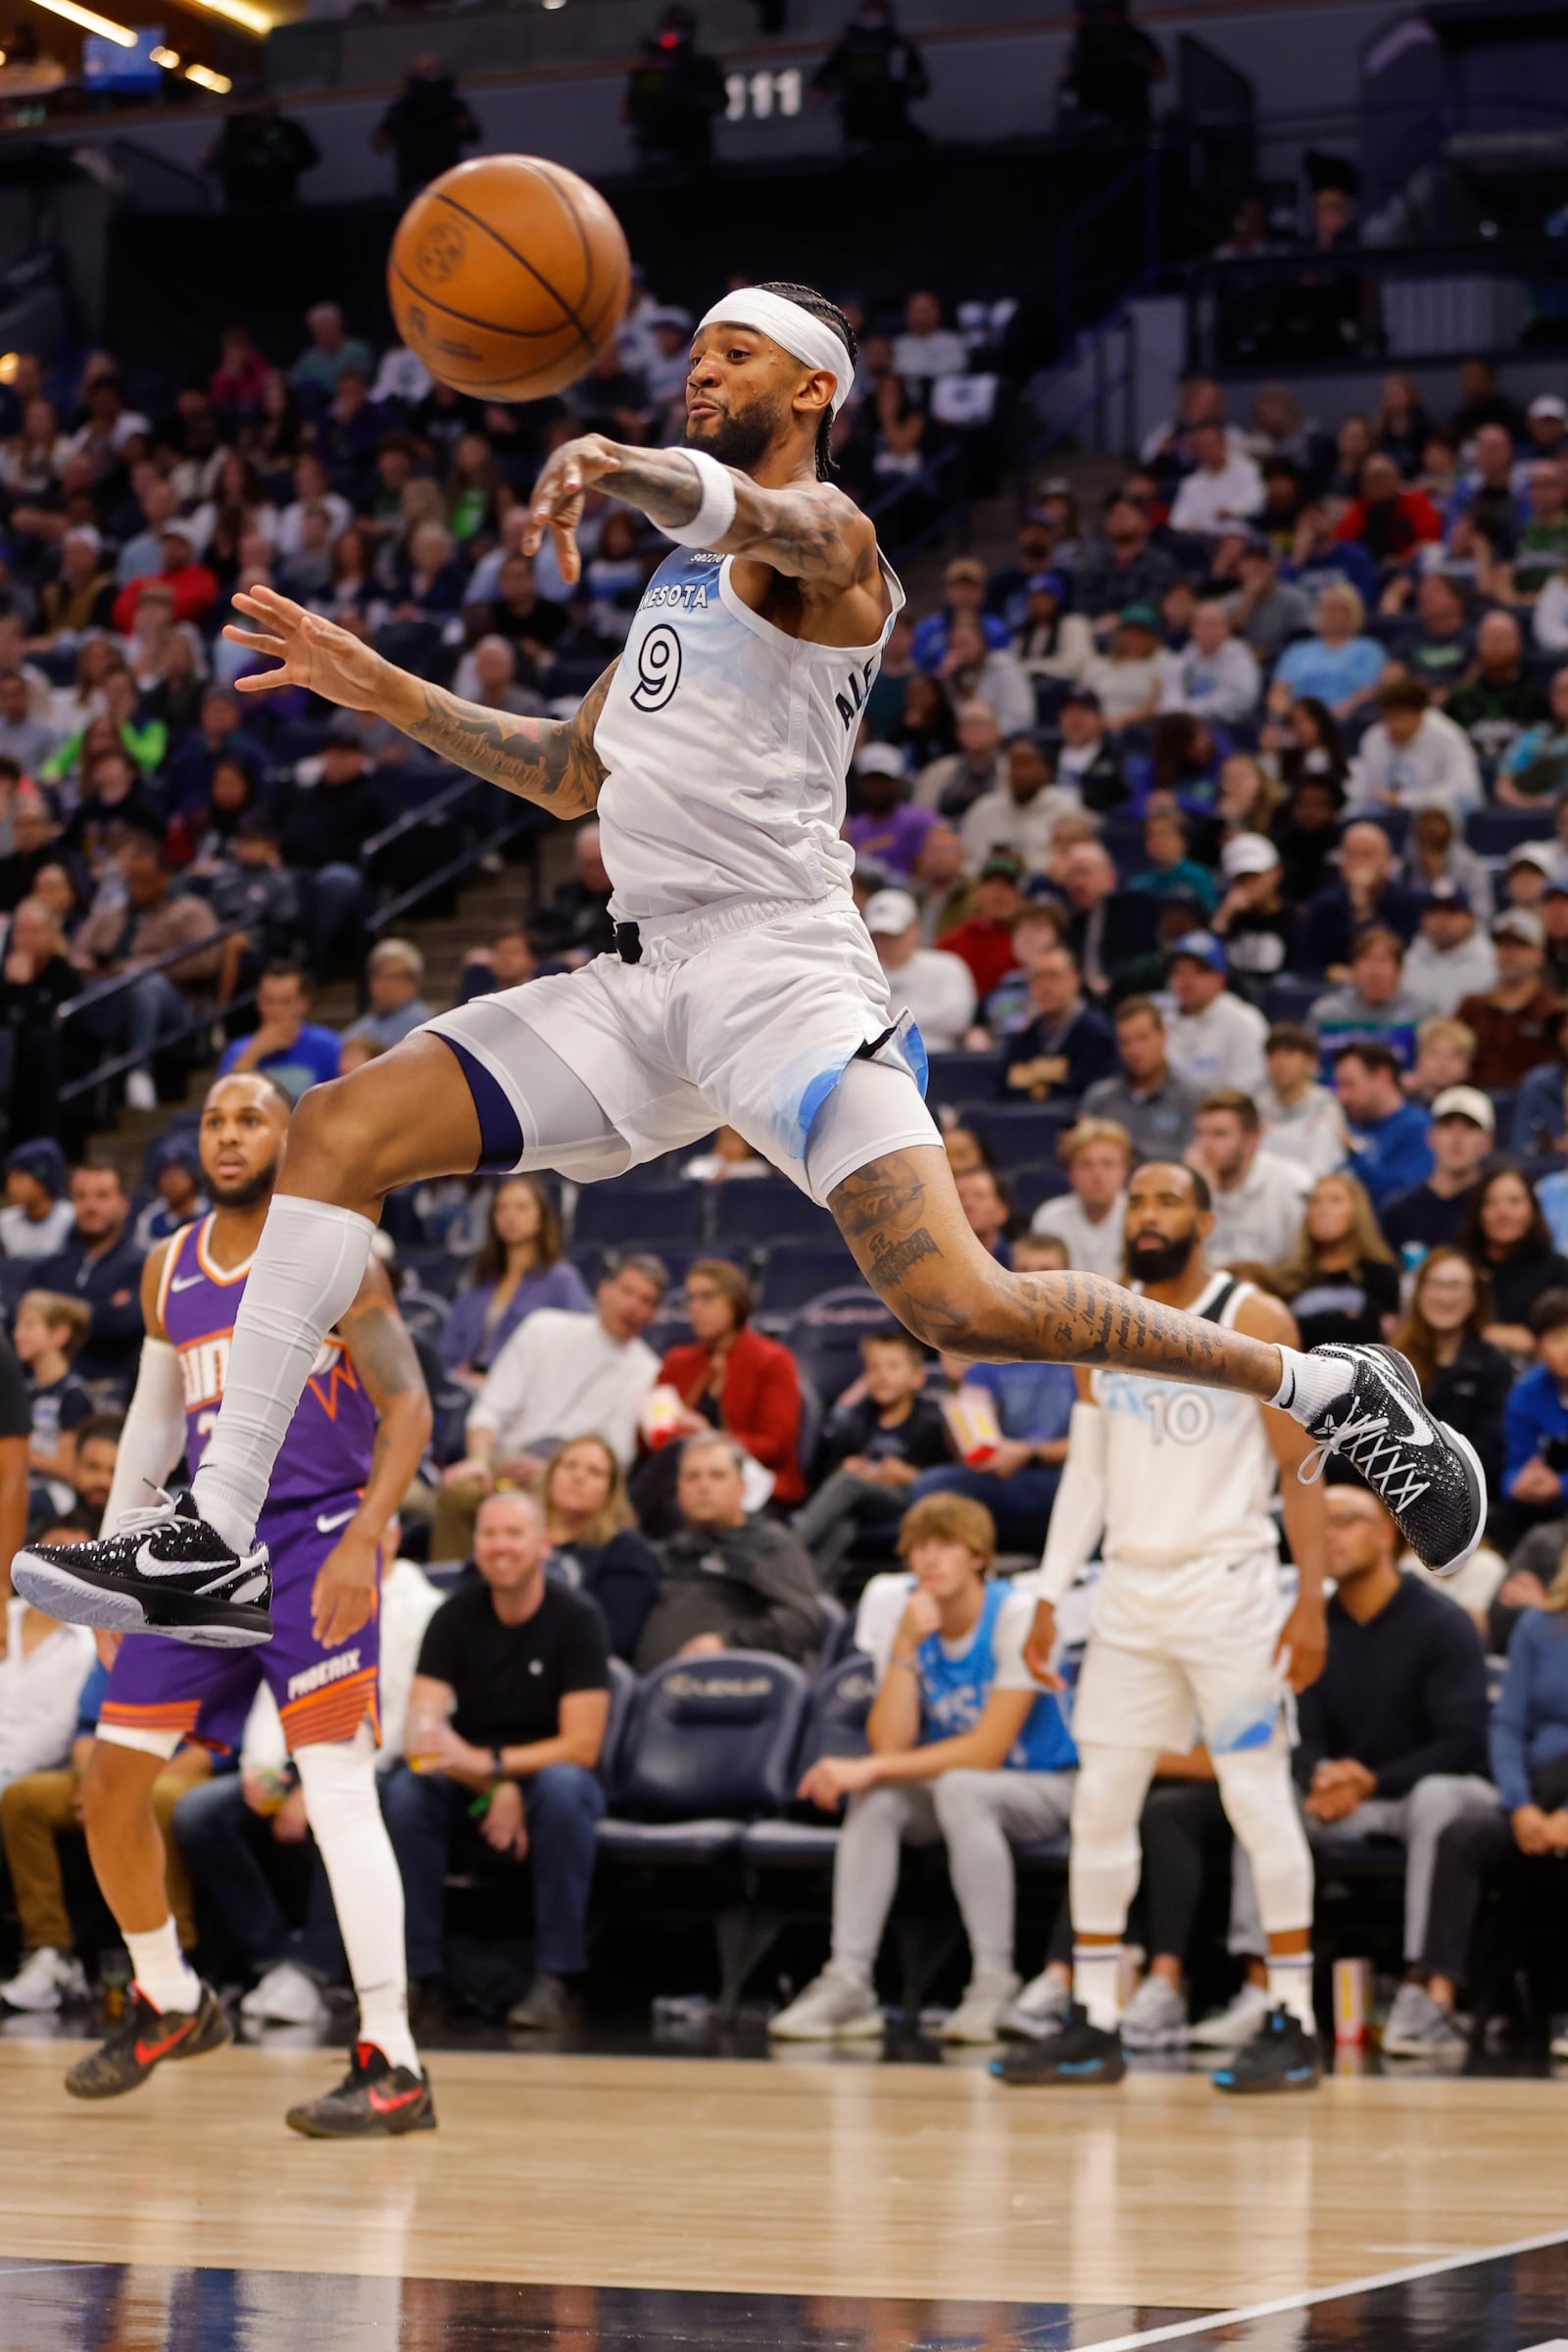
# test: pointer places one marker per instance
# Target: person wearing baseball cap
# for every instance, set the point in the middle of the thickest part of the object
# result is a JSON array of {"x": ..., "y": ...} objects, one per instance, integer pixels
[
  {"x": 1462, "y": 1132},
  {"x": 1252, "y": 918},
  {"x": 1215, "y": 1040},
  {"x": 985, "y": 939},
  {"x": 932, "y": 983},
  {"x": 1131, "y": 677},
  {"x": 963, "y": 590},
  {"x": 1452, "y": 958},
  {"x": 38, "y": 1218},
  {"x": 1088, "y": 761},
  {"x": 1547, "y": 422},
  {"x": 885, "y": 826},
  {"x": 1514, "y": 1019}
]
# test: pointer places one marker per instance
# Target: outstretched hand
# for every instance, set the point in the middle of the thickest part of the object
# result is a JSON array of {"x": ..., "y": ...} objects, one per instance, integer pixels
[
  {"x": 313, "y": 652},
  {"x": 556, "y": 506}
]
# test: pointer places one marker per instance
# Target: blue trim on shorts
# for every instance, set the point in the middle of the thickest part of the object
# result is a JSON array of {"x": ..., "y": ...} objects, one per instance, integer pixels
[{"x": 501, "y": 1143}]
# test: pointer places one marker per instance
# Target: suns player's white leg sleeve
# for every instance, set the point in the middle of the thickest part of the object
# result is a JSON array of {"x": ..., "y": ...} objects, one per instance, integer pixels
[
  {"x": 127, "y": 1735},
  {"x": 876, "y": 1108},
  {"x": 1259, "y": 1800},
  {"x": 344, "y": 1811},
  {"x": 308, "y": 1263},
  {"x": 1106, "y": 1802},
  {"x": 154, "y": 1436}
]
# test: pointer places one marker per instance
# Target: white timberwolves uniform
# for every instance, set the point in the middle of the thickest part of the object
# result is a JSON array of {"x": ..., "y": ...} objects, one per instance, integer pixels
[
  {"x": 1189, "y": 1604},
  {"x": 754, "y": 984}
]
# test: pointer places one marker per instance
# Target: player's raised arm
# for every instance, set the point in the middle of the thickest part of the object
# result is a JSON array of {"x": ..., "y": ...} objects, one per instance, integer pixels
[
  {"x": 808, "y": 530},
  {"x": 549, "y": 760}
]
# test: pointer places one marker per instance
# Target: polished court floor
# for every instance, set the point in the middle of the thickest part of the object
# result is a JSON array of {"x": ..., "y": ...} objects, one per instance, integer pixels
[{"x": 619, "y": 2204}]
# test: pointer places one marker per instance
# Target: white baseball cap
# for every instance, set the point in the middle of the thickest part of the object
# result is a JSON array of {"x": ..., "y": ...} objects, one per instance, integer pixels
[
  {"x": 1466, "y": 1102},
  {"x": 891, "y": 912},
  {"x": 1248, "y": 853}
]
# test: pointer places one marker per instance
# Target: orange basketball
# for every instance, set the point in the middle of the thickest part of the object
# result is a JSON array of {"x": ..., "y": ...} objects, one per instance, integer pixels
[{"x": 508, "y": 277}]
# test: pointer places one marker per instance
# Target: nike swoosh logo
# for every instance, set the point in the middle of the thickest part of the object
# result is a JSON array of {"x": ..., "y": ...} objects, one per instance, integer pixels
[
  {"x": 148, "y": 2053},
  {"x": 148, "y": 1564},
  {"x": 186, "y": 1282},
  {"x": 325, "y": 1525},
  {"x": 387, "y": 2104}
]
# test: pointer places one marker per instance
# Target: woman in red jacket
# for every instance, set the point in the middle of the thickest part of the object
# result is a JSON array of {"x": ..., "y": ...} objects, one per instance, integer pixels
[{"x": 731, "y": 1378}]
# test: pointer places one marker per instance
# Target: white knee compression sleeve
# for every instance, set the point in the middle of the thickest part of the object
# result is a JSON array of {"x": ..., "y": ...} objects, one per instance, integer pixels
[
  {"x": 1103, "y": 1862},
  {"x": 876, "y": 1108},
  {"x": 344, "y": 1811},
  {"x": 1255, "y": 1790},
  {"x": 309, "y": 1264},
  {"x": 145, "y": 1743}
]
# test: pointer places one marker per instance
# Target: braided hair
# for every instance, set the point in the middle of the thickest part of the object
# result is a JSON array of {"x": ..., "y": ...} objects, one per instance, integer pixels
[{"x": 831, "y": 316}]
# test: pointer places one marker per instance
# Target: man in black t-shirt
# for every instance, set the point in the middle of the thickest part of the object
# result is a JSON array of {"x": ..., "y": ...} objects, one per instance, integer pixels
[
  {"x": 505, "y": 1721},
  {"x": 1463, "y": 1130}
]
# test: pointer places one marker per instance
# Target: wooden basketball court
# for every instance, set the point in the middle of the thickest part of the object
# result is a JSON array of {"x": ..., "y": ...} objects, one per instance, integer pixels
[{"x": 616, "y": 2202}]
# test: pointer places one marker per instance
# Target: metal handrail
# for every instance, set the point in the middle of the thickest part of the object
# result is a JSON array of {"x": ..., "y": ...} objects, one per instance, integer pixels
[
  {"x": 91, "y": 997},
  {"x": 437, "y": 805},
  {"x": 527, "y": 822}
]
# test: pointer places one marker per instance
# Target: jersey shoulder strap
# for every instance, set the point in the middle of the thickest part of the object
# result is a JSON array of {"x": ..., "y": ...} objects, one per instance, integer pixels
[{"x": 1214, "y": 1309}]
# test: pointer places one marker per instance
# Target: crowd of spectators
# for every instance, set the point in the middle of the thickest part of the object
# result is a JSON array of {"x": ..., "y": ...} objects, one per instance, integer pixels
[{"x": 1228, "y": 830}]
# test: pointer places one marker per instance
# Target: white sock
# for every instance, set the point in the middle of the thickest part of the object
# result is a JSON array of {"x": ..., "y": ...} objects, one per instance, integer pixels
[
  {"x": 161, "y": 1971},
  {"x": 338, "y": 1778},
  {"x": 1096, "y": 1971},
  {"x": 1290, "y": 1987},
  {"x": 1309, "y": 1386},
  {"x": 309, "y": 1264}
]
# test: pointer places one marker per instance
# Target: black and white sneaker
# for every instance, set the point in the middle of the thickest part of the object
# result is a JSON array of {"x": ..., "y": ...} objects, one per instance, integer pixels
[
  {"x": 162, "y": 1571},
  {"x": 1282, "y": 2055},
  {"x": 1425, "y": 1472}
]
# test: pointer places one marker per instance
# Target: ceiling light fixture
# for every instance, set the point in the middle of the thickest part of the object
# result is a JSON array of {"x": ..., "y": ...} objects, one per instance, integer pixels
[
  {"x": 240, "y": 12},
  {"x": 91, "y": 23},
  {"x": 208, "y": 80},
  {"x": 169, "y": 58}
]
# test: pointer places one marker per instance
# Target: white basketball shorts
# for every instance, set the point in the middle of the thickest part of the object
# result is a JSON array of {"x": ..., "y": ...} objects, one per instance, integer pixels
[
  {"x": 1176, "y": 1655},
  {"x": 745, "y": 1017}
]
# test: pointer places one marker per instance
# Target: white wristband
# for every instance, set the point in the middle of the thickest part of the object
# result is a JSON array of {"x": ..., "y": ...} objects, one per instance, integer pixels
[{"x": 716, "y": 512}]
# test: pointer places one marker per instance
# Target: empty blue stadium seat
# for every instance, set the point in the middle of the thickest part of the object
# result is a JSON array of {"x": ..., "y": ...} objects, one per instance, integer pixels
[
  {"x": 622, "y": 1216},
  {"x": 767, "y": 1208},
  {"x": 834, "y": 1726},
  {"x": 1493, "y": 832},
  {"x": 795, "y": 1272},
  {"x": 1030, "y": 1186},
  {"x": 1018, "y": 1135},
  {"x": 709, "y": 1745},
  {"x": 1291, "y": 999},
  {"x": 825, "y": 1337},
  {"x": 961, "y": 1078},
  {"x": 623, "y": 1692}
]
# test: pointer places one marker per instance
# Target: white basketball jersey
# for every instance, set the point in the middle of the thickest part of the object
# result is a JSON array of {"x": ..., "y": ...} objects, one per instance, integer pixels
[
  {"x": 1190, "y": 1475},
  {"x": 727, "y": 746}
]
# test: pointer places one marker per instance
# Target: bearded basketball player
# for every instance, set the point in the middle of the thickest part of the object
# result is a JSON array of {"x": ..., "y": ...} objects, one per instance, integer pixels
[{"x": 743, "y": 989}]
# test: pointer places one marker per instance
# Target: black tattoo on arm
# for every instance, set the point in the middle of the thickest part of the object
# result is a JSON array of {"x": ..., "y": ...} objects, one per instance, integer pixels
[
  {"x": 902, "y": 1217},
  {"x": 550, "y": 761}
]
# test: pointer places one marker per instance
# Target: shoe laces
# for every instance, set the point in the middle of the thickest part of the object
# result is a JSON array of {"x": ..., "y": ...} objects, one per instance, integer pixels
[
  {"x": 144, "y": 1518},
  {"x": 1366, "y": 1441}
]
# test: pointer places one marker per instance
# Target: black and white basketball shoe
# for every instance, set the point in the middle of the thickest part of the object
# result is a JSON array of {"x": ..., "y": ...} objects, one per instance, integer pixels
[
  {"x": 1424, "y": 1472},
  {"x": 162, "y": 1571}
]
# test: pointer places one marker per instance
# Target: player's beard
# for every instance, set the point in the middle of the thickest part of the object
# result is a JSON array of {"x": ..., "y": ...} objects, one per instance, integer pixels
[
  {"x": 1161, "y": 1260},
  {"x": 739, "y": 440},
  {"x": 247, "y": 1191}
]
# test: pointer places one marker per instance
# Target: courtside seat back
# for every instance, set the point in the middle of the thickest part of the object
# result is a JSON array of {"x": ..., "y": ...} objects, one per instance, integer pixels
[{"x": 711, "y": 1737}]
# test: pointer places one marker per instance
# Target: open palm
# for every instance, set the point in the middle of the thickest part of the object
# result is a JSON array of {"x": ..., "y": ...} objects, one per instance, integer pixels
[{"x": 313, "y": 652}]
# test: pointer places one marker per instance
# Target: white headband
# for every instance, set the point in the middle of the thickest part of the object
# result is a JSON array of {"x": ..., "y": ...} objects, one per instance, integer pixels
[{"x": 797, "y": 331}]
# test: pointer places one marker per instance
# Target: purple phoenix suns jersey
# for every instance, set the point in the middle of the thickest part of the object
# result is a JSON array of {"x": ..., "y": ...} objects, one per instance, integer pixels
[{"x": 326, "y": 1451}]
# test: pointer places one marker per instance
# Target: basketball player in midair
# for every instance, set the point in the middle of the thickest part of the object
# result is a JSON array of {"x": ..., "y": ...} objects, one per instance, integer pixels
[
  {"x": 349, "y": 1453},
  {"x": 1186, "y": 1641},
  {"x": 742, "y": 991}
]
